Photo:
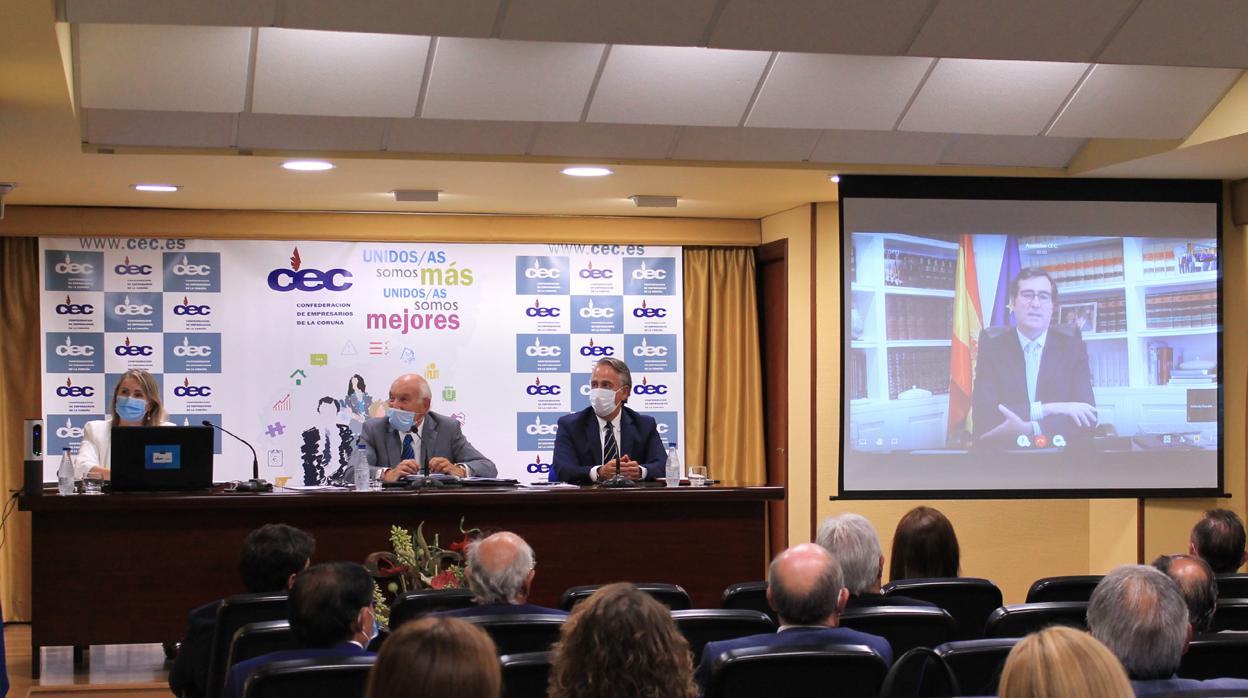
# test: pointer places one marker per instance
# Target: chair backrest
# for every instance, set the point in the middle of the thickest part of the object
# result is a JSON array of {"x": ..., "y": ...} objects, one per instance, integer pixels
[
  {"x": 418, "y": 602},
  {"x": 814, "y": 670},
  {"x": 255, "y": 639},
  {"x": 673, "y": 596},
  {"x": 1215, "y": 656},
  {"x": 1069, "y": 588},
  {"x": 525, "y": 675},
  {"x": 234, "y": 613},
  {"x": 703, "y": 625},
  {"x": 1231, "y": 614},
  {"x": 919, "y": 673},
  {"x": 514, "y": 633},
  {"x": 905, "y": 627},
  {"x": 748, "y": 595},
  {"x": 977, "y": 663},
  {"x": 1020, "y": 619},
  {"x": 1232, "y": 586},
  {"x": 332, "y": 677},
  {"x": 969, "y": 600}
]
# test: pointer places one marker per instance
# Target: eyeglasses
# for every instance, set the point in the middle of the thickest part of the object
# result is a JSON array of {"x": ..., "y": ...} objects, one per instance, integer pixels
[{"x": 1029, "y": 296}]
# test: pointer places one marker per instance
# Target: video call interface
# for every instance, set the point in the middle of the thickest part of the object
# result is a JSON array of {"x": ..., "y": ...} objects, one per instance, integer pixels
[{"x": 997, "y": 345}]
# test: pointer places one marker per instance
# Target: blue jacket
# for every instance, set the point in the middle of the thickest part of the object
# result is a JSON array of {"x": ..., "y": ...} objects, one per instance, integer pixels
[
  {"x": 578, "y": 446},
  {"x": 791, "y": 637}
]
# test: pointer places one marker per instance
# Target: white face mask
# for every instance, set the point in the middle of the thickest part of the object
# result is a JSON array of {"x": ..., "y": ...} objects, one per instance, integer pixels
[{"x": 603, "y": 401}]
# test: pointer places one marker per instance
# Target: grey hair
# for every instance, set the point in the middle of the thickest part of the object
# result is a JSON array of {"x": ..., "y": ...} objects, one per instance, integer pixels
[
  {"x": 626, "y": 376},
  {"x": 819, "y": 601},
  {"x": 503, "y": 585},
  {"x": 1139, "y": 614},
  {"x": 852, "y": 540}
]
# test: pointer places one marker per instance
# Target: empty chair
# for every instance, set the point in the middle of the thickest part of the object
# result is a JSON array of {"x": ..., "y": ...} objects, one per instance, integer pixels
[
  {"x": 703, "y": 625},
  {"x": 919, "y": 673},
  {"x": 969, "y": 600},
  {"x": 905, "y": 627},
  {"x": 815, "y": 670},
  {"x": 1069, "y": 588},
  {"x": 1232, "y": 586},
  {"x": 977, "y": 664},
  {"x": 1213, "y": 656},
  {"x": 418, "y": 602},
  {"x": 514, "y": 633},
  {"x": 525, "y": 675},
  {"x": 1231, "y": 614},
  {"x": 255, "y": 639},
  {"x": 235, "y": 612},
  {"x": 1020, "y": 619},
  {"x": 748, "y": 595},
  {"x": 335, "y": 677},
  {"x": 671, "y": 595}
]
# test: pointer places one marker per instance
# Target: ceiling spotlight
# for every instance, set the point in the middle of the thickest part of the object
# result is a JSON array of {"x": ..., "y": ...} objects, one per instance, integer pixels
[
  {"x": 586, "y": 171},
  {"x": 308, "y": 165},
  {"x": 156, "y": 187},
  {"x": 426, "y": 195},
  {"x": 835, "y": 178},
  {"x": 653, "y": 201}
]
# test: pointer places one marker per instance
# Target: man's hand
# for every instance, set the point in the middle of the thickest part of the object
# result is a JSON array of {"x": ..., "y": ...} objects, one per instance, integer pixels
[
  {"x": 405, "y": 467},
  {"x": 1012, "y": 426},
  {"x": 438, "y": 464},
  {"x": 627, "y": 466},
  {"x": 1083, "y": 413},
  {"x": 98, "y": 473}
]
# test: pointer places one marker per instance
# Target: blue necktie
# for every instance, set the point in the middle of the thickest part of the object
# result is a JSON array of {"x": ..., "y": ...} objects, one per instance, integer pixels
[
  {"x": 610, "y": 449},
  {"x": 408, "y": 453}
]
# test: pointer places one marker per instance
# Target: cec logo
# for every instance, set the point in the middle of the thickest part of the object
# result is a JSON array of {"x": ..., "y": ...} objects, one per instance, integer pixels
[
  {"x": 661, "y": 428},
  {"x": 69, "y": 307},
  {"x": 188, "y": 349},
  {"x": 537, "y": 466},
  {"x": 649, "y": 389},
  {"x": 188, "y": 390},
  {"x": 538, "y": 389},
  {"x": 537, "y": 271},
  {"x": 645, "y": 311},
  {"x": 128, "y": 269},
  {"x": 589, "y": 272},
  {"x": 69, "y": 431},
  {"x": 71, "y": 390},
  {"x": 538, "y": 311},
  {"x": 295, "y": 279},
  {"x": 591, "y": 350},
  {"x": 589, "y": 311},
  {"x": 125, "y": 307},
  {"x": 71, "y": 267},
  {"x": 188, "y": 308},
  {"x": 71, "y": 349},
  {"x": 129, "y": 349},
  {"x": 538, "y": 349},
  {"x": 643, "y": 274},
  {"x": 185, "y": 268},
  {"x": 644, "y": 349},
  {"x": 539, "y": 429}
]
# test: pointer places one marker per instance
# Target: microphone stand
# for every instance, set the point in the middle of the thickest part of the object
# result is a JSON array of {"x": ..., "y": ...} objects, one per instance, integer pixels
[
  {"x": 616, "y": 481},
  {"x": 255, "y": 484}
]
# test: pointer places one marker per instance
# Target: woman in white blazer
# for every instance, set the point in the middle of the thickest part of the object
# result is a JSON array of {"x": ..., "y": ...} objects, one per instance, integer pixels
[{"x": 136, "y": 403}]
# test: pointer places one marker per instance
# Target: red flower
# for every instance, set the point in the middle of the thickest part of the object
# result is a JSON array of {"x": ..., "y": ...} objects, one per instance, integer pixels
[
  {"x": 445, "y": 579},
  {"x": 461, "y": 546}
]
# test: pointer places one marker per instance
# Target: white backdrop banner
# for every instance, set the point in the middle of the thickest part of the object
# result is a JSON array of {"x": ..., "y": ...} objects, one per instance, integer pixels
[{"x": 293, "y": 345}]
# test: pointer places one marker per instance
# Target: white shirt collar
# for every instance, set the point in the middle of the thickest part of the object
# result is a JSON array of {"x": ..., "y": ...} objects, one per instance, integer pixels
[{"x": 1024, "y": 341}]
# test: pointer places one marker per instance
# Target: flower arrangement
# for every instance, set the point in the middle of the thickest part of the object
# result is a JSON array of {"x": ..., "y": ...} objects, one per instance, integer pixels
[{"x": 417, "y": 563}]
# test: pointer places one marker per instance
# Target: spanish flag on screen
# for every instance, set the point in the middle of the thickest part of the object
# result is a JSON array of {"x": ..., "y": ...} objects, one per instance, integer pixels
[{"x": 968, "y": 321}]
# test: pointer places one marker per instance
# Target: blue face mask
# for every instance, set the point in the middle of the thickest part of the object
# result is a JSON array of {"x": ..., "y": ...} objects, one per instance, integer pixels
[
  {"x": 131, "y": 409},
  {"x": 401, "y": 420}
]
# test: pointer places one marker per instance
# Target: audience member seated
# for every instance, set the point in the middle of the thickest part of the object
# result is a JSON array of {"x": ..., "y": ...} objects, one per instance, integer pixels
[
  {"x": 924, "y": 545},
  {"x": 270, "y": 558},
  {"x": 331, "y": 615},
  {"x": 852, "y": 540},
  {"x": 1139, "y": 614},
  {"x": 500, "y": 573},
  {"x": 1060, "y": 662},
  {"x": 1218, "y": 539},
  {"x": 807, "y": 590},
  {"x": 1198, "y": 586},
  {"x": 436, "y": 656},
  {"x": 621, "y": 643}
]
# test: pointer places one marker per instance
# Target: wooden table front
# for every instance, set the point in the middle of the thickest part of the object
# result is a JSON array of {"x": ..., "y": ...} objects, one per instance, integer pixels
[{"x": 126, "y": 568}]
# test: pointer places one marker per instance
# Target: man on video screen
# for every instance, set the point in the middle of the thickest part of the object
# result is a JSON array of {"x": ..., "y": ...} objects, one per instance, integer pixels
[{"x": 1032, "y": 379}]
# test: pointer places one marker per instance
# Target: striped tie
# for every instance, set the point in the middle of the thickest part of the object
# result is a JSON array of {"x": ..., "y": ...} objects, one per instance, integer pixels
[
  {"x": 609, "y": 448},
  {"x": 408, "y": 452}
]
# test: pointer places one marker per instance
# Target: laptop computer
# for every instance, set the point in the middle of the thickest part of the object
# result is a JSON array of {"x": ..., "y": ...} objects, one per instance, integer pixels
[{"x": 161, "y": 459}]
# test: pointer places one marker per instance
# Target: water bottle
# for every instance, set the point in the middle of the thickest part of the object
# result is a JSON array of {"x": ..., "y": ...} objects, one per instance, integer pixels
[
  {"x": 359, "y": 461},
  {"x": 673, "y": 466},
  {"x": 65, "y": 473}
]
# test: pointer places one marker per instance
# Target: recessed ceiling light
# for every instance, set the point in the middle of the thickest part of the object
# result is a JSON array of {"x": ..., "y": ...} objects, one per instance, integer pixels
[
  {"x": 835, "y": 179},
  {"x": 308, "y": 165},
  {"x": 156, "y": 187},
  {"x": 586, "y": 171}
]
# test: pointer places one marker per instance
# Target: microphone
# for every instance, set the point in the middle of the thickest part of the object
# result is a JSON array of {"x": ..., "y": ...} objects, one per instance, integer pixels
[
  {"x": 616, "y": 481},
  {"x": 255, "y": 484}
]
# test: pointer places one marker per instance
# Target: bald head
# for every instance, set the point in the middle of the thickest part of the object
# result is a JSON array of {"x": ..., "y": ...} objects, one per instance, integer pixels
[
  {"x": 410, "y": 392},
  {"x": 500, "y": 569},
  {"x": 805, "y": 586},
  {"x": 1197, "y": 585}
]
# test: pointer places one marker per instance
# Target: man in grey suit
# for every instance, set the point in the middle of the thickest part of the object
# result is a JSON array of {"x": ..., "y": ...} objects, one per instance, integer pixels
[{"x": 411, "y": 437}]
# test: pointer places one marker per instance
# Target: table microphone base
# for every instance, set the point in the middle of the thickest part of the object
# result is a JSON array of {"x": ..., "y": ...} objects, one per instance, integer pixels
[
  {"x": 254, "y": 485},
  {"x": 616, "y": 482}
]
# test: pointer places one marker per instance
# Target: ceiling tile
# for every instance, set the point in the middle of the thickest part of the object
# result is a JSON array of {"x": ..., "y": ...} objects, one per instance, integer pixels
[
  {"x": 1140, "y": 101},
  {"x": 819, "y": 26},
  {"x": 300, "y": 71},
  {"x": 458, "y": 18},
  {"x": 643, "y": 22},
  {"x": 510, "y": 80},
  {"x": 159, "y": 68},
  {"x": 810, "y": 90},
  {"x": 468, "y": 137},
  {"x": 1015, "y": 98},
  {"x": 284, "y": 132},
  {"x": 882, "y": 147},
  {"x": 748, "y": 144},
  {"x": 159, "y": 128},
  {"x": 1011, "y": 151},
  {"x": 221, "y": 13},
  {"x": 604, "y": 141},
  {"x": 676, "y": 85},
  {"x": 1192, "y": 33},
  {"x": 1053, "y": 30}
]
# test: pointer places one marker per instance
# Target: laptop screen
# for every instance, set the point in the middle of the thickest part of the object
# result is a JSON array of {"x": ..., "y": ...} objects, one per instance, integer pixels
[{"x": 147, "y": 459}]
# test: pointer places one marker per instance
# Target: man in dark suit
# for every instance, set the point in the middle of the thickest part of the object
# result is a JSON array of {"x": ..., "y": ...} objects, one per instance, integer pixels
[
  {"x": 271, "y": 557},
  {"x": 854, "y": 543},
  {"x": 807, "y": 591},
  {"x": 1032, "y": 379},
  {"x": 591, "y": 445},
  {"x": 331, "y": 615},
  {"x": 411, "y": 437},
  {"x": 500, "y": 574}
]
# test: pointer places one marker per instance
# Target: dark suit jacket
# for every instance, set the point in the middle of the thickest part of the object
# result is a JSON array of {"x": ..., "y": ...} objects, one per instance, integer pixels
[
  {"x": 1001, "y": 379},
  {"x": 578, "y": 446},
  {"x": 189, "y": 675},
  {"x": 499, "y": 609},
  {"x": 439, "y": 436},
  {"x": 1174, "y": 685},
  {"x": 792, "y": 637},
  {"x": 237, "y": 679}
]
